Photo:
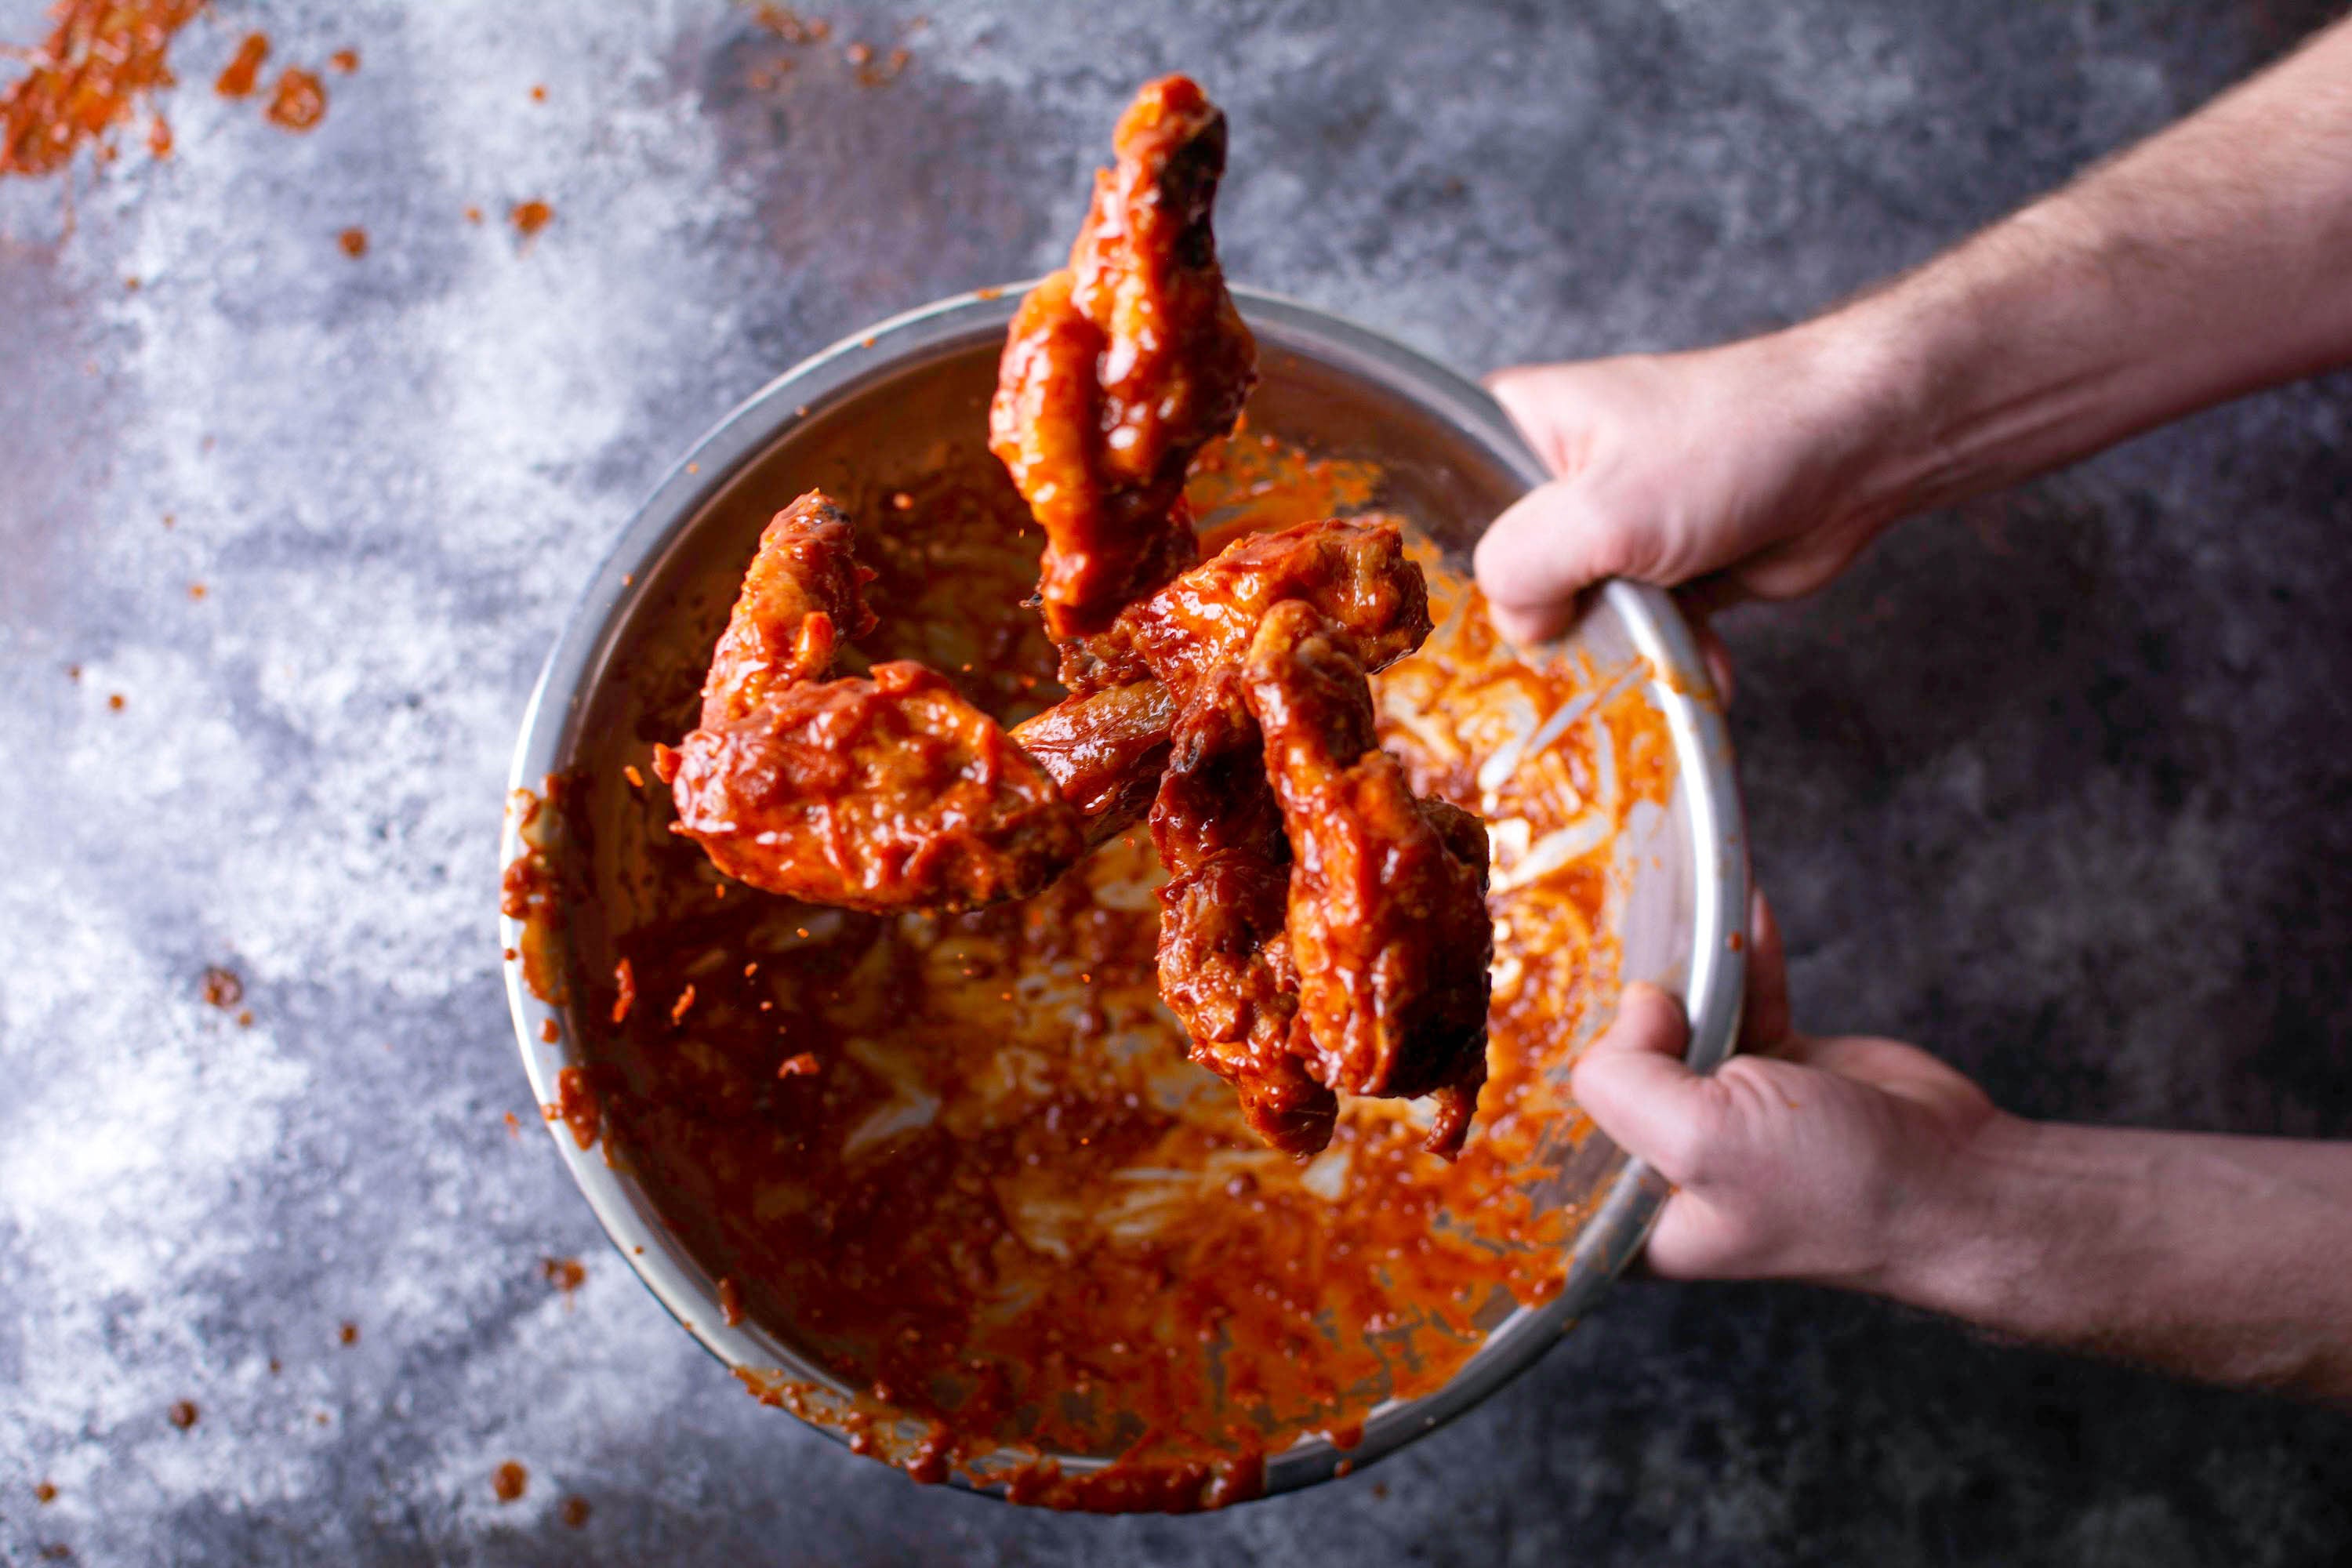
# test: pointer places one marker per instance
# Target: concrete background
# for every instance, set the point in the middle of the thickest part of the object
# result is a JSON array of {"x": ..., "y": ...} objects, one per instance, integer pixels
[{"x": 2058, "y": 787}]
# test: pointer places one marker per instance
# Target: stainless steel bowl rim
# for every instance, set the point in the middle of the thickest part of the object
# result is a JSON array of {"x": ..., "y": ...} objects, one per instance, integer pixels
[{"x": 1713, "y": 986}]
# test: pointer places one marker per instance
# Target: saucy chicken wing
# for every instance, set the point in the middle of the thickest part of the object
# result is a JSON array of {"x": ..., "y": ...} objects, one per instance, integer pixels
[
  {"x": 1106, "y": 747},
  {"x": 1353, "y": 575},
  {"x": 1122, "y": 366},
  {"x": 1387, "y": 911},
  {"x": 1225, "y": 968},
  {"x": 883, "y": 793}
]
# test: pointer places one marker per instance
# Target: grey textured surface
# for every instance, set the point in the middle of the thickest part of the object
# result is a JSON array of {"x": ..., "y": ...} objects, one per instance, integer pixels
[{"x": 2058, "y": 787}]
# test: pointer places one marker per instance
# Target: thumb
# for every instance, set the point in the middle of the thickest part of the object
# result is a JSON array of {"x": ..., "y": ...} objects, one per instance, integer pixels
[
  {"x": 1633, "y": 1083},
  {"x": 1547, "y": 548}
]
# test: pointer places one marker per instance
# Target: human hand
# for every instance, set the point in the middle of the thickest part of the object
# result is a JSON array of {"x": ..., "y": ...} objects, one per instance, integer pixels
[
  {"x": 1835, "y": 1160},
  {"x": 1730, "y": 473}
]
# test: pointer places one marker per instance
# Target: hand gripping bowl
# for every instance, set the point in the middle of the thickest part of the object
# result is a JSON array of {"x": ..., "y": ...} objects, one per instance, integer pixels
[{"x": 1451, "y": 462}]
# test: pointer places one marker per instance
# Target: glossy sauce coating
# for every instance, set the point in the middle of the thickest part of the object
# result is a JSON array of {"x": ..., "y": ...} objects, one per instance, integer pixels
[
  {"x": 1119, "y": 368},
  {"x": 1388, "y": 931},
  {"x": 882, "y": 791},
  {"x": 1226, "y": 971},
  {"x": 1106, "y": 747},
  {"x": 1006, "y": 1209}
]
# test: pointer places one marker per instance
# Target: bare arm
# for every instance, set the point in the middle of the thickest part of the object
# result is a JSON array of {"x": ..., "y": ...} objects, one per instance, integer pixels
[
  {"x": 2228, "y": 1259},
  {"x": 1870, "y": 1165},
  {"x": 2212, "y": 259}
]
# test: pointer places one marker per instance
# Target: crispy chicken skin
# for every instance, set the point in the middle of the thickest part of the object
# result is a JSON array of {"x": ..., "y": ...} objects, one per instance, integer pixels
[
  {"x": 1106, "y": 748},
  {"x": 1225, "y": 957},
  {"x": 1119, "y": 368},
  {"x": 1387, "y": 908},
  {"x": 884, "y": 793}
]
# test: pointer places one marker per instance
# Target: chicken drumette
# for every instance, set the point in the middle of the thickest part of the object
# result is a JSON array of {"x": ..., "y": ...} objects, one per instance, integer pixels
[
  {"x": 1106, "y": 748},
  {"x": 1119, "y": 368},
  {"x": 887, "y": 792}
]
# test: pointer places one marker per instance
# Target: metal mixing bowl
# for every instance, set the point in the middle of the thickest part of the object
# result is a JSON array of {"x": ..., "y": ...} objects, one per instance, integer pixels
[{"x": 1453, "y": 462}]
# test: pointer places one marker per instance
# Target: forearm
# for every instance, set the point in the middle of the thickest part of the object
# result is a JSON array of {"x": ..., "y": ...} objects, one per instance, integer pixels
[
  {"x": 2227, "y": 1259},
  {"x": 2214, "y": 258}
]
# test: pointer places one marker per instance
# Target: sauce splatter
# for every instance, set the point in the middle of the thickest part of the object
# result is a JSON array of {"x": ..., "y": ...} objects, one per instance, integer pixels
[
  {"x": 529, "y": 217},
  {"x": 238, "y": 77},
  {"x": 182, "y": 1414},
  {"x": 731, "y": 1301},
  {"x": 221, "y": 988},
  {"x": 790, "y": 26},
  {"x": 566, "y": 1274},
  {"x": 344, "y": 61},
  {"x": 509, "y": 1482},
  {"x": 299, "y": 102},
  {"x": 102, "y": 58},
  {"x": 354, "y": 242},
  {"x": 624, "y": 980},
  {"x": 44, "y": 1493},
  {"x": 1008, "y": 1213},
  {"x": 531, "y": 891},
  {"x": 115, "y": 701},
  {"x": 882, "y": 72},
  {"x": 577, "y": 1104},
  {"x": 349, "y": 1334},
  {"x": 575, "y": 1511}
]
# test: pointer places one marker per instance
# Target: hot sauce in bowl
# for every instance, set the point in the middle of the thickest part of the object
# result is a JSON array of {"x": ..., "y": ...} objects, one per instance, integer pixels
[{"x": 958, "y": 1165}]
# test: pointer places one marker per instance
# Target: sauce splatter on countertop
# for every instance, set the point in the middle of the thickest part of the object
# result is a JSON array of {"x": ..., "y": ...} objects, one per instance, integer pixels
[{"x": 99, "y": 61}]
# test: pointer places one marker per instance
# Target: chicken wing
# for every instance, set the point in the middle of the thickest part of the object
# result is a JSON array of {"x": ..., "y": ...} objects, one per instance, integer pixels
[
  {"x": 1353, "y": 575},
  {"x": 1387, "y": 911},
  {"x": 803, "y": 592},
  {"x": 1226, "y": 969},
  {"x": 889, "y": 792},
  {"x": 1106, "y": 747},
  {"x": 1105, "y": 750},
  {"x": 1122, "y": 366}
]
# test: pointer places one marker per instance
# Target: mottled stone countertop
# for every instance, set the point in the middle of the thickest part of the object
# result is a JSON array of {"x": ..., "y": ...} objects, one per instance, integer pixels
[{"x": 2058, "y": 785}]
